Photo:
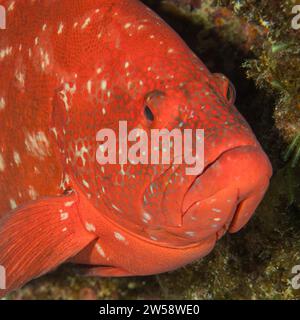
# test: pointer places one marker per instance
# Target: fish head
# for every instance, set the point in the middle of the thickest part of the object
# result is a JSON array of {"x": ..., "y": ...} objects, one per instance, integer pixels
[
  {"x": 148, "y": 80},
  {"x": 165, "y": 199}
]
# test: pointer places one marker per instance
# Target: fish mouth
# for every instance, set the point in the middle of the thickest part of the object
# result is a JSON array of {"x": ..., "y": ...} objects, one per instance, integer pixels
[
  {"x": 221, "y": 198},
  {"x": 227, "y": 193}
]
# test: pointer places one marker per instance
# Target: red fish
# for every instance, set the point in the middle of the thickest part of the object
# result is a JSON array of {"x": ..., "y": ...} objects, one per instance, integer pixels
[{"x": 71, "y": 68}]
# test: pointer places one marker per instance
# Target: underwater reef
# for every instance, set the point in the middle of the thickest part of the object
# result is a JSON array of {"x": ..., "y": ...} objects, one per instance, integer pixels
[{"x": 253, "y": 44}]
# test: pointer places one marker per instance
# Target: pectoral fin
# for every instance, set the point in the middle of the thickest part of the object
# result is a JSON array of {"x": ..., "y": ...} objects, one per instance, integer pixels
[{"x": 38, "y": 237}]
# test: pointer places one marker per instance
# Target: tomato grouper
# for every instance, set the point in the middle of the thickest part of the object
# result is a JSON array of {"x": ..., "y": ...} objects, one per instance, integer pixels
[{"x": 71, "y": 68}]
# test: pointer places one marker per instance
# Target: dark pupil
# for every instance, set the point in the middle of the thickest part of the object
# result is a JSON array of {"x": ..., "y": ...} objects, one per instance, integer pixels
[
  {"x": 148, "y": 113},
  {"x": 229, "y": 94}
]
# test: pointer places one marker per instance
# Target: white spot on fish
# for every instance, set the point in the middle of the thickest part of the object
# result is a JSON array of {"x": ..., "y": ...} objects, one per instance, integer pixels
[
  {"x": 119, "y": 236},
  {"x": 85, "y": 183},
  {"x": 103, "y": 85},
  {"x": 190, "y": 233},
  {"x": 63, "y": 94},
  {"x": 127, "y": 25},
  {"x": 69, "y": 203},
  {"x": 13, "y": 204},
  {"x": 5, "y": 52},
  {"x": 146, "y": 217},
  {"x": 100, "y": 250},
  {"x": 89, "y": 86},
  {"x": 64, "y": 216},
  {"x": 65, "y": 182},
  {"x": 45, "y": 60},
  {"x": 55, "y": 132},
  {"x": 116, "y": 208},
  {"x": 129, "y": 85},
  {"x": 11, "y": 6},
  {"x": 32, "y": 193},
  {"x": 20, "y": 76},
  {"x": 2, "y": 163},
  {"x": 36, "y": 170},
  {"x": 90, "y": 227},
  {"x": 60, "y": 28},
  {"x": 37, "y": 144},
  {"x": 86, "y": 23},
  {"x": 2, "y": 103}
]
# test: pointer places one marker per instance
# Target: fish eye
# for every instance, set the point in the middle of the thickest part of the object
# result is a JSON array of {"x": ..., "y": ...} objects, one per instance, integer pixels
[
  {"x": 148, "y": 113},
  {"x": 231, "y": 93},
  {"x": 226, "y": 87}
]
